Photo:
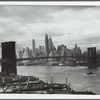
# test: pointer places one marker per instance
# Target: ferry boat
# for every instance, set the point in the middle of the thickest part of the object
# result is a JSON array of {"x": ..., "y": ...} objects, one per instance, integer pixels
[{"x": 90, "y": 74}]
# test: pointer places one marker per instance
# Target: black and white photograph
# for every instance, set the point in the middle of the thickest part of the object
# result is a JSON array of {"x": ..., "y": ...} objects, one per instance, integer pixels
[{"x": 50, "y": 49}]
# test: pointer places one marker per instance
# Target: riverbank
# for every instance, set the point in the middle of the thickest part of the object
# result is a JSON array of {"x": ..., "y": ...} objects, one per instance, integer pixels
[{"x": 15, "y": 84}]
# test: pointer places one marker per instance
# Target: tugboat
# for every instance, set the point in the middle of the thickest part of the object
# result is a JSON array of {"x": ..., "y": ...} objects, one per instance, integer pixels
[{"x": 90, "y": 74}]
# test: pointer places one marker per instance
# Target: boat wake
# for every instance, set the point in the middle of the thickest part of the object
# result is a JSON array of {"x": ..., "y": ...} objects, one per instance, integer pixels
[{"x": 89, "y": 74}]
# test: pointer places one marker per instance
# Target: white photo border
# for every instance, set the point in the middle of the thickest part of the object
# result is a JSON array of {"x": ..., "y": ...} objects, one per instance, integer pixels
[{"x": 49, "y": 96}]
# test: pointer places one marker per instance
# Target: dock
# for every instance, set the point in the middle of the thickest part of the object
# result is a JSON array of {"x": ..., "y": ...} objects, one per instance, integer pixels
[{"x": 15, "y": 84}]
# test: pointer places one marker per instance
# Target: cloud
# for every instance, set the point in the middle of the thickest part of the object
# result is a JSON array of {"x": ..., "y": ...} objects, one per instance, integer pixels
[{"x": 65, "y": 24}]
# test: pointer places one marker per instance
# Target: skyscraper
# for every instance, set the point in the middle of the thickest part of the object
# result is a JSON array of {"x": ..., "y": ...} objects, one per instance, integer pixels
[
  {"x": 26, "y": 53},
  {"x": 75, "y": 46},
  {"x": 33, "y": 47},
  {"x": 36, "y": 52},
  {"x": 46, "y": 45},
  {"x": 40, "y": 49},
  {"x": 20, "y": 54},
  {"x": 61, "y": 50},
  {"x": 76, "y": 51},
  {"x": 50, "y": 44}
]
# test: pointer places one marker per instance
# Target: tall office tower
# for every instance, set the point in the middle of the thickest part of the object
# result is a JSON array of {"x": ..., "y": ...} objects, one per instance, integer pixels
[
  {"x": 75, "y": 46},
  {"x": 33, "y": 47},
  {"x": 76, "y": 50},
  {"x": 20, "y": 54},
  {"x": 68, "y": 52},
  {"x": 61, "y": 50},
  {"x": 30, "y": 53},
  {"x": 26, "y": 53},
  {"x": 36, "y": 52},
  {"x": 46, "y": 45},
  {"x": 40, "y": 49},
  {"x": 50, "y": 44}
]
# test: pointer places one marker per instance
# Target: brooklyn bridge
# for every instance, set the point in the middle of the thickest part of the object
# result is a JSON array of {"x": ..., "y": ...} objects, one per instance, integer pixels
[{"x": 8, "y": 60}]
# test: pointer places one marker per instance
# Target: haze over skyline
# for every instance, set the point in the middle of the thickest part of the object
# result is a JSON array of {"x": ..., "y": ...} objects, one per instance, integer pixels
[{"x": 65, "y": 24}]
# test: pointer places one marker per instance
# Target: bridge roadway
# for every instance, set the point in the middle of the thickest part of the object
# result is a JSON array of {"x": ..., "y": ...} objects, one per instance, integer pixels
[{"x": 33, "y": 58}]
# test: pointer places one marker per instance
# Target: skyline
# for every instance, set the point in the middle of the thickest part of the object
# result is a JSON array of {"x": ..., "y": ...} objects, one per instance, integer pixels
[{"x": 65, "y": 24}]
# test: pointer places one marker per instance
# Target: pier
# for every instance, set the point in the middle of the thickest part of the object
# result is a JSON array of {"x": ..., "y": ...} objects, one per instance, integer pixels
[{"x": 31, "y": 85}]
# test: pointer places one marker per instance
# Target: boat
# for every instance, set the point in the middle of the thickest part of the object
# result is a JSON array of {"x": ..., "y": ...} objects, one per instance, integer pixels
[
  {"x": 90, "y": 74},
  {"x": 83, "y": 92},
  {"x": 60, "y": 64}
]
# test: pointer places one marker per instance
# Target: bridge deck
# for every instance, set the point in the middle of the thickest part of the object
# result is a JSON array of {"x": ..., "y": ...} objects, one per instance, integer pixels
[{"x": 33, "y": 58}]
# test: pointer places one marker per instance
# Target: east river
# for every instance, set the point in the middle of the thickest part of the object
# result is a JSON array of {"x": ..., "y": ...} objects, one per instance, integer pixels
[{"x": 76, "y": 76}]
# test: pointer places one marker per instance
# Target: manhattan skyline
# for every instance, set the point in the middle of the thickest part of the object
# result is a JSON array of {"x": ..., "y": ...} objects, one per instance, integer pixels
[{"x": 65, "y": 24}]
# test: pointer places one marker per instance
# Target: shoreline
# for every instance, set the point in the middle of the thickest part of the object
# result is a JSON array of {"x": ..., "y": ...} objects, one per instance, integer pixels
[{"x": 33, "y": 85}]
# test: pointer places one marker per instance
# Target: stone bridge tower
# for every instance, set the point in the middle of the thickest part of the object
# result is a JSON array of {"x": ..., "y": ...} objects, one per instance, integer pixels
[
  {"x": 92, "y": 60},
  {"x": 8, "y": 52}
]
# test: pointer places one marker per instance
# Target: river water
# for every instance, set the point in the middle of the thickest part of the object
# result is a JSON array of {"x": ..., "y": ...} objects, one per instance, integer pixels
[{"x": 76, "y": 76}]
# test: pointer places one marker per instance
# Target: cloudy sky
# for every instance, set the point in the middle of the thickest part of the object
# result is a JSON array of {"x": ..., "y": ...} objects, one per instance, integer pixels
[{"x": 65, "y": 24}]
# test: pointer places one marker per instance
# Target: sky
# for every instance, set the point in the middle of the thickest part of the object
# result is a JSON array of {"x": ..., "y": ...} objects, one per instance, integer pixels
[{"x": 65, "y": 24}]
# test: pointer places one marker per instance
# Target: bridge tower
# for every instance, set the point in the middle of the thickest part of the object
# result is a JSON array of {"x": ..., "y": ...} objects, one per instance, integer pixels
[
  {"x": 92, "y": 60},
  {"x": 8, "y": 52}
]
